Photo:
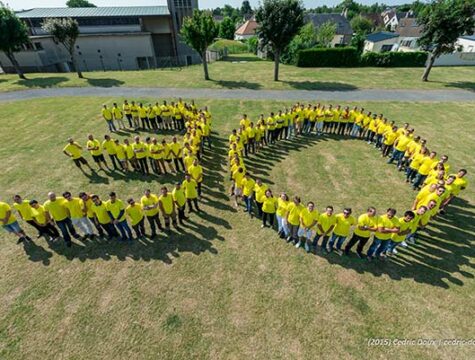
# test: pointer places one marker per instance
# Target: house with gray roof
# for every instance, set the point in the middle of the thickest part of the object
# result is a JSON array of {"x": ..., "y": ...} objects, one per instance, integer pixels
[
  {"x": 380, "y": 41},
  {"x": 111, "y": 38},
  {"x": 344, "y": 32}
]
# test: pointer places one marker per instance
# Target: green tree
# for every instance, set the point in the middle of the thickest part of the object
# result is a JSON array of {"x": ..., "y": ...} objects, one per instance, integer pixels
[
  {"x": 305, "y": 39},
  {"x": 227, "y": 28},
  {"x": 199, "y": 31},
  {"x": 443, "y": 22},
  {"x": 361, "y": 25},
  {"x": 65, "y": 31},
  {"x": 13, "y": 34},
  {"x": 79, "y": 3},
  {"x": 246, "y": 8},
  {"x": 325, "y": 33},
  {"x": 279, "y": 21},
  {"x": 252, "y": 44}
]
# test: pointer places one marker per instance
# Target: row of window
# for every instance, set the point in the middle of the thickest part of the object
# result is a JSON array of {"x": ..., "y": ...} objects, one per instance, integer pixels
[{"x": 99, "y": 21}]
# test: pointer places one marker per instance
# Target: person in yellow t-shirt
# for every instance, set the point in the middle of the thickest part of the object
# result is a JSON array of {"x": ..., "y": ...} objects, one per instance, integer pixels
[
  {"x": 427, "y": 163},
  {"x": 390, "y": 137},
  {"x": 109, "y": 146},
  {"x": 190, "y": 187},
  {"x": 141, "y": 151},
  {"x": 157, "y": 155},
  {"x": 121, "y": 154},
  {"x": 149, "y": 203},
  {"x": 196, "y": 172},
  {"x": 74, "y": 151},
  {"x": 116, "y": 210},
  {"x": 344, "y": 222},
  {"x": 248, "y": 185},
  {"x": 137, "y": 218},
  {"x": 45, "y": 227},
  {"x": 102, "y": 217},
  {"x": 176, "y": 152},
  {"x": 269, "y": 207},
  {"x": 130, "y": 154},
  {"x": 292, "y": 219},
  {"x": 108, "y": 117},
  {"x": 366, "y": 225},
  {"x": 77, "y": 213},
  {"x": 251, "y": 138},
  {"x": 415, "y": 163},
  {"x": 56, "y": 211},
  {"x": 308, "y": 222},
  {"x": 179, "y": 198},
  {"x": 459, "y": 183},
  {"x": 166, "y": 204},
  {"x": 118, "y": 116},
  {"x": 388, "y": 225},
  {"x": 399, "y": 149},
  {"x": 259, "y": 191},
  {"x": 94, "y": 146},
  {"x": 282, "y": 203},
  {"x": 128, "y": 113},
  {"x": 24, "y": 210},
  {"x": 405, "y": 226},
  {"x": 10, "y": 224},
  {"x": 325, "y": 226}
]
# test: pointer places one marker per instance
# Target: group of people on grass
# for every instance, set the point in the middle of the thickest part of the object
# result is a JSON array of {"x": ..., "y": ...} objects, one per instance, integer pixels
[
  {"x": 92, "y": 216},
  {"x": 302, "y": 224},
  {"x": 149, "y": 155}
]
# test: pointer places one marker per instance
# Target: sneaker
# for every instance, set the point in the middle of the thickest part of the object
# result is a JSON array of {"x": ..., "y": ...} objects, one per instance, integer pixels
[
  {"x": 298, "y": 244},
  {"x": 411, "y": 241},
  {"x": 394, "y": 251},
  {"x": 289, "y": 239},
  {"x": 403, "y": 244},
  {"x": 20, "y": 240},
  {"x": 263, "y": 226}
]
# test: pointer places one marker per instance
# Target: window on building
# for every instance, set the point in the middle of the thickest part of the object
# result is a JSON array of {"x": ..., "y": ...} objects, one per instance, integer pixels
[
  {"x": 470, "y": 48},
  {"x": 38, "y": 46},
  {"x": 385, "y": 48}
]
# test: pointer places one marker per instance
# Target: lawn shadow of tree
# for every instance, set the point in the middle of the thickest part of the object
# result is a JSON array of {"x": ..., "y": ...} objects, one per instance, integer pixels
[
  {"x": 464, "y": 85},
  {"x": 39, "y": 82},
  {"x": 320, "y": 85},
  {"x": 237, "y": 84},
  {"x": 104, "y": 82}
]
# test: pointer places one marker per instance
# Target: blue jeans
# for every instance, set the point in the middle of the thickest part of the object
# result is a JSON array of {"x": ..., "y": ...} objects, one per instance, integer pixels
[
  {"x": 393, "y": 245},
  {"x": 396, "y": 155},
  {"x": 339, "y": 241},
  {"x": 418, "y": 180},
  {"x": 281, "y": 226},
  {"x": 248, "y": 203},
  {"x": 111, "y": 125},
  {"x": 378, "y": 247},
  {"x": 291, "y": 131},
  {"x": 356, "y": 130},
  {"x": 67, "y": 229},
  {"x": 124, "y": 229}
]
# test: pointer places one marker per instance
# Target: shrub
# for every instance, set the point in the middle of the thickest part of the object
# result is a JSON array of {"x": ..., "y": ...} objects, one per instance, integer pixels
[
  {"x": 233, "y": 46},
  {"x": 394, "y": 59},
  {"x": 328, "y": 57},
  {"x": 252, "y": 44}
]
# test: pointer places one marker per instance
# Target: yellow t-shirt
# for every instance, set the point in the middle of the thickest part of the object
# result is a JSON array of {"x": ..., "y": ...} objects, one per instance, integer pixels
[
  {"x": 120, "y": 151},
  {"x": 402, "y": 143},
  {"x": 115, "y": 208},
  {"x": 101, "y": 213},
  {"x": 4, "y": 208},
  {"x": 56, "y": 208},
  {"x": 24, "y": 209},
  {"x": 140, "y": 150},
  {"x": 260, "y": 192},
  {"x": 135, "y": 213},
  {"x": 196, "y": 172},
  {"x": 365, "y": 220},
  {"x": 426, "y": 165},
  {"x": 308, "y": 217},
  {"x": 179, "y": 197},
  {"x": 39, "y": 214},
  {"x": 343, "y": 225},
  {"x": 94, "y": 144},
  {"x": 75, "y": 207},
  {"x": 109, "y": 145},
  {"x": 269, "y": 204},
  {"x": 74, "y": 150},
  {"x": 248, "y": 186},
  {"x": 294, "y": 211},
  {"x": 403, "y": 226},
  {"x": 190, "y": 189},
  {"x": 107, "y": 114},
  {"x": 167, "y": 203},
  {"x": 325, "y": 222},
  {"x": 386, "y": 222},
  {"x": 281, "y": 207},
  {"x": 150, "y": 201}
]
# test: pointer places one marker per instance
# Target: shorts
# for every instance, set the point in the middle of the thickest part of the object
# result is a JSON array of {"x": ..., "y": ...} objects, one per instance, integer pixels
[
  {"x": 79, "y": 161},
  {"x": 98, "y": 158},
  {"x": 306, "y": 233},
  {"x": 14, "y": 227}
]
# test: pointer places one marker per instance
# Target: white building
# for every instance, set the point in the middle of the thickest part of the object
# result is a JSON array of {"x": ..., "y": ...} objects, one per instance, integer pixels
[
  {"x": 380, "y": 42},
  {"x": 466, "y": 43}
]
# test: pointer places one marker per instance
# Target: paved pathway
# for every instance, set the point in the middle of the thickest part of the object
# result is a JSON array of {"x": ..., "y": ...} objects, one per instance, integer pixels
[{"x": 246, "y": 94}]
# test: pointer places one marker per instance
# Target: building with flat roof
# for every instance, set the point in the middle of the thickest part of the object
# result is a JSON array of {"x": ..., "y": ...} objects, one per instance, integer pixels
[{"x": 111, "y": 38}]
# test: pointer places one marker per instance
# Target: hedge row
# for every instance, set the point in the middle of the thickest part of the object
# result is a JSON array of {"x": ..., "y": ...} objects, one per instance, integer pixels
[{"x": 349, "y": 57}]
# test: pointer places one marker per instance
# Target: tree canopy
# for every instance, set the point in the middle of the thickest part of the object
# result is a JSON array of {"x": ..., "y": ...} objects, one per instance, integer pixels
[
  {"x": 199, "y": 31},
  {"x": 13, "y": 34},
  {"x": 79, "y": 3},
  {"x": 65, "y": 31},
  {"x": 443, "y": 22},
  {"x": 279, "y": 21},
  {"x": 227, "y": 27}
]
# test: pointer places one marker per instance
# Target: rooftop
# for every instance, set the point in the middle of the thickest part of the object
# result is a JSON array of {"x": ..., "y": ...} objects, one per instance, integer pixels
[
  {"x": 381, "y": 36},
  {"x": 343, "y": 25},
  {"x": 115, "y": 11},
  {"x": 468, "y": 37},
  {"x": 248, "y": 28},
  {"x": 408, "y": 27}
]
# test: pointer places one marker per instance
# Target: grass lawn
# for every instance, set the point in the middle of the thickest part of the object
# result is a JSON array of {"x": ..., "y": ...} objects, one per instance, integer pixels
[
  {"x": 248, "y": 72},
  {"x": 224, "y": 288}
]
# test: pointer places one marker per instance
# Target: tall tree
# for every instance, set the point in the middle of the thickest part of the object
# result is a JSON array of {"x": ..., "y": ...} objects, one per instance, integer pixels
[
  {"x": 325, "y": 33},
  {"x": 13, "y": 34},
  {"x": 279, "y": 21},
  {"x": 246, "y": 8},
  {"x": 361, "y": 25},
  {"x": 443, "y": 22},
  {"x": 199, "y": 31},
  {"x": 65, "y": 31},
  {"x": 227, "y": 28},
  {"x": 79, "y": 3}
]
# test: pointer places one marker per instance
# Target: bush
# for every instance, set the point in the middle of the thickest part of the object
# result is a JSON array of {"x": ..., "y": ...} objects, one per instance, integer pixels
[
  {"x": 233, "y": 46},
  {"x": 252, "y": 44},
  {"x": 328, "y": 57},
  {"x": 394, "y": 59}
]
